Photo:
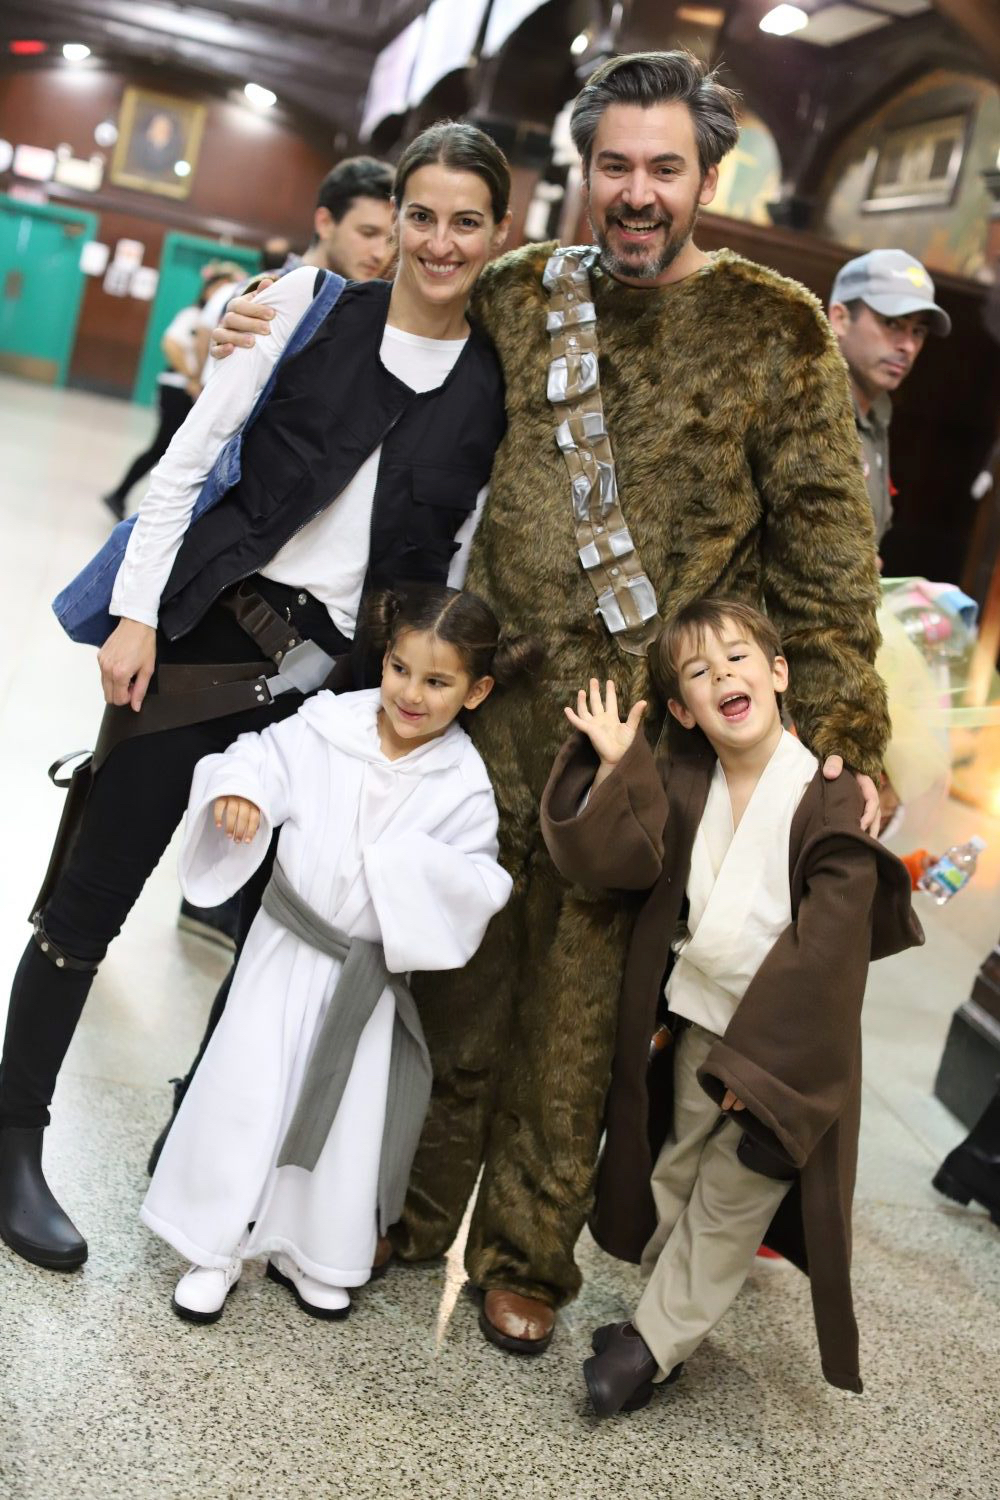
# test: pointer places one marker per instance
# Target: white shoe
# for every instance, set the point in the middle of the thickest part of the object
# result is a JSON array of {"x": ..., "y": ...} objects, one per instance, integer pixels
[
  {"x": 201, "y": 1293},
  {"x": 317, "y": 1298}
]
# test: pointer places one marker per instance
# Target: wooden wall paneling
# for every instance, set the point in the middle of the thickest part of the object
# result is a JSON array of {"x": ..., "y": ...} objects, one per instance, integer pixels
[
  {"x": 944, "y": 415},
  {"x": 256, "y": 175}
]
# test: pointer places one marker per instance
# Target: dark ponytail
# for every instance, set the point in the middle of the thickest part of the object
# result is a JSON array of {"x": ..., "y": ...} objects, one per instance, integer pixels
[{"x": 461, "y": 620}]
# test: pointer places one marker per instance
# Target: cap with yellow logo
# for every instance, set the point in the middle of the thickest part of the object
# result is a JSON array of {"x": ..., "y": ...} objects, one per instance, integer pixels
[{"x": 894, "y": 284}]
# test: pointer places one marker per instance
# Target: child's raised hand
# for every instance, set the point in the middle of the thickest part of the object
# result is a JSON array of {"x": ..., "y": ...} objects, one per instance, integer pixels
[
  {"x": 237, "y": 818},
  {"x": 598, "y": 719}
]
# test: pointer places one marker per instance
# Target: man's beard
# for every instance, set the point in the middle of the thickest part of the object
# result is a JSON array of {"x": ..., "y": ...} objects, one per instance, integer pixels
[{"x": 643, "y": 263}]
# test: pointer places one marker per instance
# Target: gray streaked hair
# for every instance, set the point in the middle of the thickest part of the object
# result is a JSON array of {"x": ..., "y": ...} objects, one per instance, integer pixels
[{"x": 648, "y": 78}]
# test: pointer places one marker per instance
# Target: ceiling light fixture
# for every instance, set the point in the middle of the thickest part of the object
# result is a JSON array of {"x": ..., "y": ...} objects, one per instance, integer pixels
[
  {"x": 75, "y": 52},
  {"x": 259, "y": 97},
  {"x": 579, "y": 44},
  {"x": 783, "y": 20}
]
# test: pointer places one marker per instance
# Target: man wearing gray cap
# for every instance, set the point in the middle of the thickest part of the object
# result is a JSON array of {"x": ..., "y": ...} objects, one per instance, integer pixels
[{"x": 882, "y": 308}]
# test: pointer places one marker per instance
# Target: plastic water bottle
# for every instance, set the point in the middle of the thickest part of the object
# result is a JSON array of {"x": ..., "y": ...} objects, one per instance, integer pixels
[{"x": 952, "y": 872}]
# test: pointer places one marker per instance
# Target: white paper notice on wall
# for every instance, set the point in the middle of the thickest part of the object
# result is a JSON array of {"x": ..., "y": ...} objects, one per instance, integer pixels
[
  {"x": 34, "y": 162},
  {"x": 129, "y": 253},
  {"x": 118, "y": 279},
  {"x": 84, "y": 174},
  {"x": 94, "y": 258},
  {"x": 144, "y": 282}
]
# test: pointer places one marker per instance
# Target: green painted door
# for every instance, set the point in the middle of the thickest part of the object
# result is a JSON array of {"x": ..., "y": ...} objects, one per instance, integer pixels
[
  {"x": 181, "y": 260},
  {"x": 41, "y": 286}
]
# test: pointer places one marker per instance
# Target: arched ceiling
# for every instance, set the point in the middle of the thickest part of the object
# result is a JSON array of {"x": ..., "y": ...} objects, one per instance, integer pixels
[{"x": 316, "y": 55}]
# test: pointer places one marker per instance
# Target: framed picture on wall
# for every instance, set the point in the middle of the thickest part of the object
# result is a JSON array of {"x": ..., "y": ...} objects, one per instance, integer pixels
[
  {"x": 159, "y": 137},
  {"x": 918, "y": 165}
]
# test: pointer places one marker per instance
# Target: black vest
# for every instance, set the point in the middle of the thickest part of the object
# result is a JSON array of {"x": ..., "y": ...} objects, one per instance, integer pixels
[{"x": 333, "y": 403}]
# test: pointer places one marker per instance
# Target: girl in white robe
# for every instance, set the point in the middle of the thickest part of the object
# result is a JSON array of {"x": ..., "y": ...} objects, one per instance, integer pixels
[{"x": 389, "y": 834}]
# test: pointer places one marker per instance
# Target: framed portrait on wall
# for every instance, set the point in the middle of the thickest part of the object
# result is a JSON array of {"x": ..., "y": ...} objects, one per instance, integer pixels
[
  {"x": 159, "y": 137},
  {"x": 917, "y": 165}
]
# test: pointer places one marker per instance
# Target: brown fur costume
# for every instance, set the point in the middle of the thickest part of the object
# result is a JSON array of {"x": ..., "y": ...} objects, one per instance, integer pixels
[{"x": 729, "y": 414}]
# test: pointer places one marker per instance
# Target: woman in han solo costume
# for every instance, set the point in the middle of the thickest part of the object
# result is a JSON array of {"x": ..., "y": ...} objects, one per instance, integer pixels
[
  {"x": 347, "y": 453},
  {"x": 678, "y": 424}
]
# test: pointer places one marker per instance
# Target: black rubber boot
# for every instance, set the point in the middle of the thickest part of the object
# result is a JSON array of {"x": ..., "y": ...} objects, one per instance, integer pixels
[
  {"x": 972, "y": 1170},
  {"x": 31, "y": 1221}
]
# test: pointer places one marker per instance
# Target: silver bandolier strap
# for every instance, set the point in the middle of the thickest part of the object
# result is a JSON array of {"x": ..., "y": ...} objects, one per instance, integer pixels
[{"x": 625, "y": 597}]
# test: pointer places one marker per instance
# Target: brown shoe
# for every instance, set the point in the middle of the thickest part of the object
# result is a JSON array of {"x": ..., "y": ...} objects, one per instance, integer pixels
[
  {"x": 520, "y": 1325},
  {"x": 620, "y": 1376},
  {"x": 382, "y": 1258}
]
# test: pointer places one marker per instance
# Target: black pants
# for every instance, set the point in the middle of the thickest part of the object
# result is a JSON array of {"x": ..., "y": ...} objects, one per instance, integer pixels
[
  {"x": 175, "y": 403},
  {"x": 137, "y": 800}
]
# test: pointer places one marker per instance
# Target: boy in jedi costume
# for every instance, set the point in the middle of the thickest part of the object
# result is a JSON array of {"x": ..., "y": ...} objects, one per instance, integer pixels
[
  {"x": 786, "y": 902},
  {"x": 730, "y": 465}
]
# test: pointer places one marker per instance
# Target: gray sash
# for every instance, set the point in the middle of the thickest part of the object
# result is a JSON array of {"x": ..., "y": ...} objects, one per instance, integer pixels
[{"x": 363, "y": 978}]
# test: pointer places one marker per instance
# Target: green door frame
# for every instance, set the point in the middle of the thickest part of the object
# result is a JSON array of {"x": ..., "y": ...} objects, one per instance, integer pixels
[
  {"x": 178, "y": 286},
  {"x": 88, "y": 223}
]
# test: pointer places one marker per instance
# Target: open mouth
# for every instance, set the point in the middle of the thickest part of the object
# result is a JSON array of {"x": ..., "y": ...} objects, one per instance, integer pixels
[
  {"x": 735, "y": 708},
  {"x": 441, "y": 270},
  {"x": 638, "y": 229}
]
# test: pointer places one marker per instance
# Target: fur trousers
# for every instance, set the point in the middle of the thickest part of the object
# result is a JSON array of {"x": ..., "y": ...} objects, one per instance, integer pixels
[{"x": 521, "y": 1041}]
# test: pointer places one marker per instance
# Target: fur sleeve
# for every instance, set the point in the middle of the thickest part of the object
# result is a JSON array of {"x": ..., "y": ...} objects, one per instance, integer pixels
[{"x": 819, "y": 564}]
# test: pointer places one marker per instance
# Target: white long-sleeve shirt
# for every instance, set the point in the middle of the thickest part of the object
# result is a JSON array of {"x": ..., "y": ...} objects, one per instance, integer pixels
[{"x": 329, "y": 556}]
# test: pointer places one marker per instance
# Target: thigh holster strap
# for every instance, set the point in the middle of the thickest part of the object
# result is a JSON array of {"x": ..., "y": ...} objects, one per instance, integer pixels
[{"x": 54, "y": 954}]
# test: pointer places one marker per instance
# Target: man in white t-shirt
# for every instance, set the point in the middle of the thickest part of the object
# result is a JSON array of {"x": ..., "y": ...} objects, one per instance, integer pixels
[{"x": 178, "y": 385}]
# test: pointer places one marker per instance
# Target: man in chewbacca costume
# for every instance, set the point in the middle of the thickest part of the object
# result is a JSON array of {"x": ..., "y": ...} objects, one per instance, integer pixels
[{"x": 730, "y": 466}]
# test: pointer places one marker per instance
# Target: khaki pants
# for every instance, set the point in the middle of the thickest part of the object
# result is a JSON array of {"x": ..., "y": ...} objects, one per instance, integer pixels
[{"x": 712, "y": 1214}]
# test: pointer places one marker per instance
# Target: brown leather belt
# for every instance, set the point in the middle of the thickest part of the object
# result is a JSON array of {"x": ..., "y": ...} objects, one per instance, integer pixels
[
  {"x": 189, "y": 694},
  {"x": 195, "y": 694}
]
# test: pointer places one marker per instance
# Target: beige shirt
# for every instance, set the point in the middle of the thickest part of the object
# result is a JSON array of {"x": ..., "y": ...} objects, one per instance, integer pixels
[
  {"x": 738, "y": 888},
  {"x": 873, "y": 432}
]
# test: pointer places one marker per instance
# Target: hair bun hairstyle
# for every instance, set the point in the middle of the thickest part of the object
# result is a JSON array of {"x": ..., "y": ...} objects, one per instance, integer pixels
[
  {"x": 516, "y": 656},
  {"x": 462, "y": 620}
]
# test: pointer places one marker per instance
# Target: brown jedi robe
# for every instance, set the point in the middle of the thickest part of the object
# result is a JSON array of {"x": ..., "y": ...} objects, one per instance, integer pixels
[{"x": 792, "y": 1051}]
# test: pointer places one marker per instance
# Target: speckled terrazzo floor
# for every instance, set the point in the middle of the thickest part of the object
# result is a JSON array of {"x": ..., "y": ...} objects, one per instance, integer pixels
[{"x": 105, "y": 1394}]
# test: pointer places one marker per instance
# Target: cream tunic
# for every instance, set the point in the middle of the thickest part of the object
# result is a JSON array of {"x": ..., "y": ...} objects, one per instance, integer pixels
[{"x": 738, "y": 888}]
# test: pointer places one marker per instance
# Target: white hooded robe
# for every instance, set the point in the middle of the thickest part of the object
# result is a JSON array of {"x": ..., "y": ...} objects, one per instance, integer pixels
[{"x": 401, "y": 852}]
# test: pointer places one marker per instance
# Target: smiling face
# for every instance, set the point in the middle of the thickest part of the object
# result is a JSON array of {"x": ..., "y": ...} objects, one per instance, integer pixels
[
  {"x": 425, "y": 685},
  {"x": 446, "y": 234},
  {"x": 644, "y": 188},
  {"x": 880, "y": 351},
  {"x": 729, "y": 687}
]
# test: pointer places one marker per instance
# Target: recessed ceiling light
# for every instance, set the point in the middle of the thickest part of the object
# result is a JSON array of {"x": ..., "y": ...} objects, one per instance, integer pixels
[
  {"x": 75, "y": 52},
  {"x": 783, "y": 20},
  {"x": 260, "y": 97},
  {"x": 579, "y": 44}
]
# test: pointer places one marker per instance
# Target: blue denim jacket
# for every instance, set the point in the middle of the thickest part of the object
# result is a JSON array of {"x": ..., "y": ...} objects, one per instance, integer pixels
[{"x": 82, "y": 608}]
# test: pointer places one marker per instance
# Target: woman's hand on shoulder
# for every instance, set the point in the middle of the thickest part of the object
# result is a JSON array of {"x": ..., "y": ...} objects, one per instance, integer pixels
[
  {"x": 598, "y": 718},
  {"x": 237, "y": 817},
  {"x": 127, "y": 661}
]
